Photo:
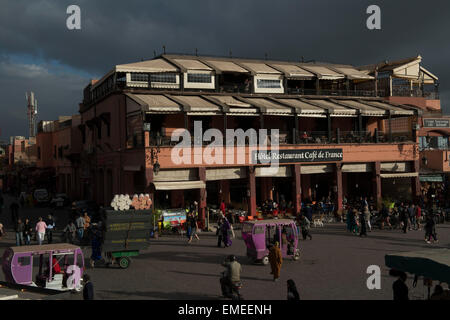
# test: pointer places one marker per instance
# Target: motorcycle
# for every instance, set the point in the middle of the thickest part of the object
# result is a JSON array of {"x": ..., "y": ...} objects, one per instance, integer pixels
[{"x": 230, "y": 289}]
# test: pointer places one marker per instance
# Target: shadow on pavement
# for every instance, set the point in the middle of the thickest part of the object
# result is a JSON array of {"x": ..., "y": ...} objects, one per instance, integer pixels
[{"x": 161, "y": 295}]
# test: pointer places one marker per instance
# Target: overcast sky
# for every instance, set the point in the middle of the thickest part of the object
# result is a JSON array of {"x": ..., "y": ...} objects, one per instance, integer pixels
[{"x": 38, "y": 53}]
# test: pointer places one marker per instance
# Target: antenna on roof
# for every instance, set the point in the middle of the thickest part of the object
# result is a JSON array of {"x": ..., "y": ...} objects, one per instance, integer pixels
[
  {"x": 303, "y": 59},
  {"x": 265, "y": 56},
  {"x": 231, "y": 53},
  {"x": 196, "y": 52},
  {"x": 154, "y": 53},
  {"x": 164, "y": 49}
]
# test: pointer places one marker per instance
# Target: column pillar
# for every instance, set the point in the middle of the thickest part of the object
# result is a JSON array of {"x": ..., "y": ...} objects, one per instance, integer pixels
[
  {"x": 297, "y": 189},
  {"x": 202, "y": 200},
  {"x": 339, "y": 186},
  {"x": 377, "y": 178},
  {"x": 415, "y": 182},
  {"x": 252, "y": 191},
  {"x": 224, "y": 185}
]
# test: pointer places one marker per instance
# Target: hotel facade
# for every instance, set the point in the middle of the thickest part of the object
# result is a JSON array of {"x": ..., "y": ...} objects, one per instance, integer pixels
[{"x": 343, "y": 131}]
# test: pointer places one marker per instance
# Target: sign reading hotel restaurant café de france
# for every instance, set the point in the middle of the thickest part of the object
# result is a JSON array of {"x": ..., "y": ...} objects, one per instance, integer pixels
[
  {"x": 436, "y": 123},
  {"x": 301, "y": 155}
]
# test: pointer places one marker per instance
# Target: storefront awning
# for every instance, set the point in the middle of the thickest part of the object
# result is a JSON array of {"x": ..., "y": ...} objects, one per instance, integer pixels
[
  {"x": 431, "y": 178},
  {"x": 179, "y": 185},
  {"x": 399, "y": 175}
]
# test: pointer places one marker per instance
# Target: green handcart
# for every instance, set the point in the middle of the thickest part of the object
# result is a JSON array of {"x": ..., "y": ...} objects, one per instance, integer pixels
[{"x": 125, "y": 234}]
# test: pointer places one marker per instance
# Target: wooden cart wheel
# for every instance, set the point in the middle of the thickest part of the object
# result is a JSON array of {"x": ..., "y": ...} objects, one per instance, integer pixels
[{"x": 124, "y": 262}]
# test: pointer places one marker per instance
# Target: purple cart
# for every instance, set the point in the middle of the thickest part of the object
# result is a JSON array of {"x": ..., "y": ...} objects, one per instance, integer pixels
[
  {"x": 20, "y": 264},
  {"x": 258, "y": 235}
]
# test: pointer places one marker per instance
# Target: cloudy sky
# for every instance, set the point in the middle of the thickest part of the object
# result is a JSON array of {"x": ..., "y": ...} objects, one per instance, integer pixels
[{"x": 39, "y": 53}]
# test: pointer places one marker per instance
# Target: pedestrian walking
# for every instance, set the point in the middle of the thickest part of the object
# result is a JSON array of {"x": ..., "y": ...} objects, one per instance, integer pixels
[
  {"x": 79, "y": 223},
  {"x": 418, "y": 216},
  {"x": 367, "y": 218},
  {"x": 192, "y": 222},
  {"x": 88, "y": 288},
  {"x": 226, "y": 232},
  {"x": 41, "y": 227},
  {"x": 70, "y": 232},
  {"x": 292, "y": 292},
  {"x": 219, "y": 231},
  {"x": 19, "y": 228},
  {"x": 27, "y": 231},
  {"x": 50, "y": 227},
  {"x": 362, "y": 223},
  {"x": 403, "y": 216},
  {"x": 412, "y": 217},
  {"x": 275, "y": 260},
  {"x": 96, "y": 247},
  {"x": 305, "y": 226},
  {"x": 430, "y": 229}
]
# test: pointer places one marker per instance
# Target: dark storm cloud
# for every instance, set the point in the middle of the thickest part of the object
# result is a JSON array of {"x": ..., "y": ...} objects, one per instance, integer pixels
[{"x": 115, "y": 32}]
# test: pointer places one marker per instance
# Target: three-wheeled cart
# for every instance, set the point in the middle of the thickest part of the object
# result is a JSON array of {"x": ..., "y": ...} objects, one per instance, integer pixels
[
  {"x": 432, "y": 264},
  {"x": 125, "y": 234}
]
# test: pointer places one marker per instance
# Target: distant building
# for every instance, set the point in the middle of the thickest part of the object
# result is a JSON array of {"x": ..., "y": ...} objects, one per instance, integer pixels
[{"x": 58, "y": 148}]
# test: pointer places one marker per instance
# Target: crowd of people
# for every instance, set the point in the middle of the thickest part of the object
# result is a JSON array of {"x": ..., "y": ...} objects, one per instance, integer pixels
[{"x": 362, "y": 217}]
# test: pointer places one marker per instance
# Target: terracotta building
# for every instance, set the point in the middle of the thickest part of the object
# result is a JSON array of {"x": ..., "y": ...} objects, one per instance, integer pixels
[
  {"x": 343, "y": 130},
  {"x": 59, "y": 146}
]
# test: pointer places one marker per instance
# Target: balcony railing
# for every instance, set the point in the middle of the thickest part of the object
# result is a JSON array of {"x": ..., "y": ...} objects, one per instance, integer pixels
[
  {"x": 332, "y": 92},
  {"x": 312, "y": 137},
  {"x": 406, "y": 91}
]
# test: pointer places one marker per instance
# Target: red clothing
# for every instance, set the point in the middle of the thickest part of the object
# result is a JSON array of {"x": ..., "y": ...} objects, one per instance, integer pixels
[
  {"x": 56, "y": 267},
  {"x": 418, "y": 212},
  {"x": 222, "y": 207}
]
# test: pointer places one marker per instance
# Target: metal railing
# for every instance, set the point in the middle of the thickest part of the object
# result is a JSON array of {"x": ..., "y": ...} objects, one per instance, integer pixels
[
  {"x": 406, "y": 91},
  {"x": 335, "y": 92},
  {"x": 310, "y": 137}
]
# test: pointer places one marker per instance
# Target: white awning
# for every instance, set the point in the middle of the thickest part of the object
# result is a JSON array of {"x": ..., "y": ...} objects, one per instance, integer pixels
[
  {"x": 269, "y": 107},
  {"x": 293, "y": 71},
  {"x": 399, "y": 175},
  {"x": 179, "y": 185},
  {"x": 322, "y": 72},
  {"x": 155, "y": 103}
]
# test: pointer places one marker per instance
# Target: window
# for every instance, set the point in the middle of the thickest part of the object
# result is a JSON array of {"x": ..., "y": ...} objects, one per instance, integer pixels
[
  {"x": 60, "y": 152},
  {"x": 258, "y": 230},
  {"x": 199, "y": 77},
  {"x": 39, "y": 153},
  {"x": 247, "y": 228},
  {"x": 163, "y": 77},
  {"x": 108, "y": 129},
  {"x": 139, "y": 77},
  {"x": 265, "y": 83},
  {"x": 24, "y": 261},
  {"x": 54, "y": 152}
]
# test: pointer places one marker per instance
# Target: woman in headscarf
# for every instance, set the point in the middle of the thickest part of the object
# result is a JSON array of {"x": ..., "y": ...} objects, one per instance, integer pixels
[
  {"x": 275, "y": 260},
  {"x": 226, "y": 230}
]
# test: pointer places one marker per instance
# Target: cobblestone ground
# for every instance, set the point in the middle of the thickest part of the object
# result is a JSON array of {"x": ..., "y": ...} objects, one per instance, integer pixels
[{"x": 332, "y": 266}]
